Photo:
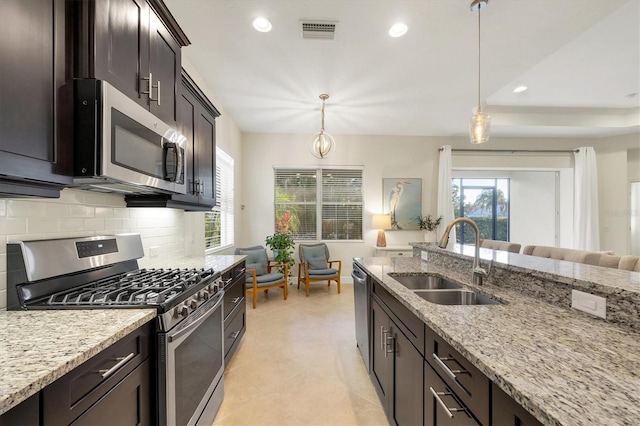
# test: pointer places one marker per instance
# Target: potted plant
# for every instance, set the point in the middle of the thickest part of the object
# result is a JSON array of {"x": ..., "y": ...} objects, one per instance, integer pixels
[
  {"x": 429, "y": 224},
  {"x": 282, "y": 247}
]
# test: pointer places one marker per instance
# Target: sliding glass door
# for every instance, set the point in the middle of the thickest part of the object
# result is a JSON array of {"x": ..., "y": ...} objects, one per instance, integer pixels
[{"x": 486, "y": 202}]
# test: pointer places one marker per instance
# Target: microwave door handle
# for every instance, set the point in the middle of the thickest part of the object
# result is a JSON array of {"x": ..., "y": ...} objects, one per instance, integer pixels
[
  {"x": 179, "y": 163},
  {"x": 168, "y": 146}
]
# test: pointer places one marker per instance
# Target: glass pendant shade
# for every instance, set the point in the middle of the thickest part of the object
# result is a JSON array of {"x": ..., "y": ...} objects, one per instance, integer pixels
[
  {"x": 479, "y": 127},
  {"x": 321, "y": 144}
]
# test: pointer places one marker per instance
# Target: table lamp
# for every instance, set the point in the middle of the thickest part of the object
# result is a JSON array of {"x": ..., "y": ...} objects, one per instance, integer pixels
[{"x": 382, "y": 222}]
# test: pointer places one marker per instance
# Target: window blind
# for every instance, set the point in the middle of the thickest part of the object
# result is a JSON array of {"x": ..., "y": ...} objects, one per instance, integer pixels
[
  {"x": 319, "y": 203},
  {"x": 219, "y": 223}
]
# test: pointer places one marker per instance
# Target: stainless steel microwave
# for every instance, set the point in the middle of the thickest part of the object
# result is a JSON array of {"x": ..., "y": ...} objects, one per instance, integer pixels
[{"x": 119, "y": 146}]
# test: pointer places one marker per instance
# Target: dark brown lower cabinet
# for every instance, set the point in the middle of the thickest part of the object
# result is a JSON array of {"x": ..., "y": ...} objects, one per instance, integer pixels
[
  {"x": 396, "y": 370},
  {"x": 114, "y": 387},
  {"x": 235, "y": 311},
  {"x": 507, "y": 412},
  {"x": 441, "y": 405}
]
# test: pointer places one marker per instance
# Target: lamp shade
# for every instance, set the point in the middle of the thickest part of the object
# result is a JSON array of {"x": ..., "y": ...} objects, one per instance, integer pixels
[{"x": 381, "y": 221}]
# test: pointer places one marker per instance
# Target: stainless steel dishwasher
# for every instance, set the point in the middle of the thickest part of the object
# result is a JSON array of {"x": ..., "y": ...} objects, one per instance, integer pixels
[{"x": 361, "y": 283}]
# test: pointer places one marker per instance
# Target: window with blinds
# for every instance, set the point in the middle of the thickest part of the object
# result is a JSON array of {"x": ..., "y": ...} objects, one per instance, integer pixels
[
  {"x": 218, "y": 224},
  {"x": 312, "y": 204}
]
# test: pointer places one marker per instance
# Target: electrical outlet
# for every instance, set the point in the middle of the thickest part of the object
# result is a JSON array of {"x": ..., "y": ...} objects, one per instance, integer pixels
[
  {"x": 153, "y": 251},
  {"x": 589, "y": 303},
  {"x": 424, "y": 255}
]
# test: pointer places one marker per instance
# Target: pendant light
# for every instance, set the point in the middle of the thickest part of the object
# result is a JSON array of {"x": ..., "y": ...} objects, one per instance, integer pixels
[
  {"x": 481, "y": 121},
  {"x": 322, "y": 142}
]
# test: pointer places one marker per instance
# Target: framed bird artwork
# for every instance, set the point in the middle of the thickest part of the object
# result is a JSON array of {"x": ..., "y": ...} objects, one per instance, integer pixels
[{"x": 402, "y": 200}]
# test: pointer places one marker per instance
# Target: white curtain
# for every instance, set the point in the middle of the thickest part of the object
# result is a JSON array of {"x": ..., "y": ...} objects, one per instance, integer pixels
[
  {"x": 445, "y": 205},
  {"x": 586, "y": 228}
]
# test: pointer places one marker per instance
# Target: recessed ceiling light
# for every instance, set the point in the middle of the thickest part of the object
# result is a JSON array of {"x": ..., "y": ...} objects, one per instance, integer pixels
[
  {"x": 262, "y": 24},
  {"x": 520, "y": 89},
  {"x": 398, "y": 30}
]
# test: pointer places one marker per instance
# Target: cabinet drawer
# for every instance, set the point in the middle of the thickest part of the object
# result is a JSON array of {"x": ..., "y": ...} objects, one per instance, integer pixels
[
  {"x": 441, "y": 405},
  {"x": 469, "y": 384},
  {"x": 234, "y": 328},
  {"x": 410, "y": 324},
  {"x": 128, "y": 403},
  {"x": 396, "y": 253},
  {"x": 72, "y": 394},
  {"x": 234, "y": 291}
]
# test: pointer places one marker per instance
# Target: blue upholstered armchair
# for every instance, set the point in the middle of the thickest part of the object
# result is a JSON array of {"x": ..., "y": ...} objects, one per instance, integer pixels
[
  {"x": 259, "y": 272},
  {"x": 315, "y": 265}
]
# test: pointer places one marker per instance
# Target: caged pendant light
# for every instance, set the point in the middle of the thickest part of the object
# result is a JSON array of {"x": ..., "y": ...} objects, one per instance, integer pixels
[
  {"x": 481, "y": 121},
  {"x": 322, "y": 142}
]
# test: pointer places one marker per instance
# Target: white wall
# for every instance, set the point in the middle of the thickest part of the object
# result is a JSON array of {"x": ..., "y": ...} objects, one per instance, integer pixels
[{"x": 82, "y": 213}]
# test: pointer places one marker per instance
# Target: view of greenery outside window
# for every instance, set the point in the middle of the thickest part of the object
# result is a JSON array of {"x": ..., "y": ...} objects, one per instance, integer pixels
[
  {"x": 313, "y": 204},
  {"x": 486, "y": 202},
  {"x": 218, "y": 224}
]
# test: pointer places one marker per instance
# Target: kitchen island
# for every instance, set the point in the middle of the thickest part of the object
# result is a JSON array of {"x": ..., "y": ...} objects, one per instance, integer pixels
[
  {"x": 563, "y": 366},
  {"x": 38, "y": 347}
]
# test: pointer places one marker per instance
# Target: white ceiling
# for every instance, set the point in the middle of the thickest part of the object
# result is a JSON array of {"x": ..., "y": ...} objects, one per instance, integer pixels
[{"x": 579, "y": 58}]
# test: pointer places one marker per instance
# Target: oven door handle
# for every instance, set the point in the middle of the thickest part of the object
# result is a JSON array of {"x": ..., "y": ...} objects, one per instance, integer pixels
[{"x": 194, "y": 324}]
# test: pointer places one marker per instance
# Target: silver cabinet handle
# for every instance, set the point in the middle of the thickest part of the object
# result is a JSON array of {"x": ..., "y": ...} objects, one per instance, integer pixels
[
  {"x": 149, "y": 87},
  {"x": 235, "y": 300},
  {"x": 202, "y": 187},
  {"x": 436, "y": 395},
  {"x": 387, "y": 351},
  {"x": 227, "y": 282},
  {"x": 121, "y": 361},
  {"x": 382, "y": 338},
  {"x": 449, "y": 372},
  {"x": 157, "y": 99},
  {"x": 235, "y": 334}
]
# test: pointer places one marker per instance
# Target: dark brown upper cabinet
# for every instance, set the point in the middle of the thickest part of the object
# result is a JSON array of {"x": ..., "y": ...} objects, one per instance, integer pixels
[
  {"x": 196, "y": 122},
  {"x": 134, "y": 45},
  {"x": 35, "y": 149}
]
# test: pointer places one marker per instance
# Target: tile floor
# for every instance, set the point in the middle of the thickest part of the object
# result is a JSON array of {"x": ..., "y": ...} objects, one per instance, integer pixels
[{"x": 298, "y": 364}]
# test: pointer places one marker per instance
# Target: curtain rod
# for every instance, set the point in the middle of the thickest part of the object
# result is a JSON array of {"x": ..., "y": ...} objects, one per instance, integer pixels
[{"x": 560, "y": 151}]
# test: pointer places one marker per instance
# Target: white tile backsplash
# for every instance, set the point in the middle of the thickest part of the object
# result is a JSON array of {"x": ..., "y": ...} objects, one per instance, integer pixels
[{"x": 83, "y": 213}]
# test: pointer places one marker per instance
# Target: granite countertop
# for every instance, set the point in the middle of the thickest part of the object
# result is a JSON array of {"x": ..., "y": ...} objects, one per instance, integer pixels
[
  {"x": 219, "y": 262},
  {"x": 563, "y": 366},
  {"x": 38, "y": 347}
]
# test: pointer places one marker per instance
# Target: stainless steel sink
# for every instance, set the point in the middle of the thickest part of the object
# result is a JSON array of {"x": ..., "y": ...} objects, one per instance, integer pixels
[
  {"x": 455, "y": 297},
  {"x": 425, "y": 282}
]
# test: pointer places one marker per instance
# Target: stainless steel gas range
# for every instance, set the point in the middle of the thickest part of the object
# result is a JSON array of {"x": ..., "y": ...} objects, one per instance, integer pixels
[{"x": 103, "y": 273}]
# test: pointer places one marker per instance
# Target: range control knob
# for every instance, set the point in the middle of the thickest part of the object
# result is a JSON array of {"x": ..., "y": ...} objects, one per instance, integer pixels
[
  {"x": 180, "y": 312},
  {"x": 205, "y": 295},
  {"x": 193, "y": 304}
]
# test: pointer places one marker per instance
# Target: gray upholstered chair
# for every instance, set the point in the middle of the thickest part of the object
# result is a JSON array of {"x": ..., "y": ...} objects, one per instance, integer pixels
[
  {"x": 259, "y": 272},
  {"x": 315, "y": 265}
]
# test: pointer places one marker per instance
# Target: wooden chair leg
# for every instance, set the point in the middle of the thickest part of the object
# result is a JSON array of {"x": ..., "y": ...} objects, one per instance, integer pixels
[
  {"x": 286, "y": 291},
  {"x": 307, "y": 283}
]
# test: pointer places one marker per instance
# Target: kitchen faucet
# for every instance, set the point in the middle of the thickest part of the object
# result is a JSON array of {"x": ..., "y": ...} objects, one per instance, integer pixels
[{"x": 477, "y": 272}]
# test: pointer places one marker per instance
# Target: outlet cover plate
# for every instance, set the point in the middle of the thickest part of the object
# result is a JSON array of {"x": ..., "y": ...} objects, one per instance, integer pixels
[
  {"x": 424, "y": 255},
  {"x": 589, "y": 303}
]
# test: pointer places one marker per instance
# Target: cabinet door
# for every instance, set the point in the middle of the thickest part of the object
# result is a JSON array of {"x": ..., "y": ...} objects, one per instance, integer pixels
[
  {"x": 407, "y": 381},
  {"x": 205, "y": 155},
  {"x": 165, "y": 66},
  {"x": 186, "y": 124},
  {"x": 32, "y": 76},
  {"x": 122, "y": 46},
  {"x": 379, "y": 357},
  {"x": 506, "y": 411},
  {"x": 441, "y": 406}
]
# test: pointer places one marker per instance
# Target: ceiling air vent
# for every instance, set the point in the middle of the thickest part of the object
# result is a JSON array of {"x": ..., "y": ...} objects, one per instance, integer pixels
[{"x": 318, "y": 30}]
